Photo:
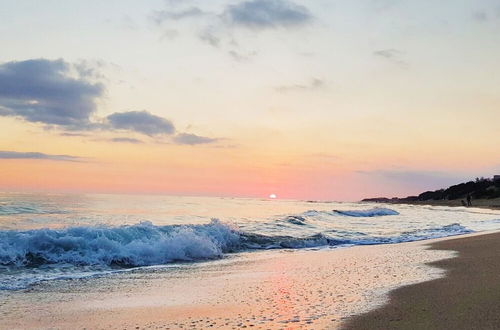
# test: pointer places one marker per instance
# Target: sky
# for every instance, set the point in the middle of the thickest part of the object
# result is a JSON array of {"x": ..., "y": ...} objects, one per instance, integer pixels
[{"x": 317, "y": 99}]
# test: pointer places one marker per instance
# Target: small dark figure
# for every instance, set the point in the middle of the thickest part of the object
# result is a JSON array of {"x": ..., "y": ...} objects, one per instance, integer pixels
[
  {"x": 463, "y": 203},
  {"x": 469, "y": 200}
]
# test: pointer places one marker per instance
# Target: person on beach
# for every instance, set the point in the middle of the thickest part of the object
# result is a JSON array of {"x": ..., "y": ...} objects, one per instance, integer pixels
[{"x": 469, "y": 200}]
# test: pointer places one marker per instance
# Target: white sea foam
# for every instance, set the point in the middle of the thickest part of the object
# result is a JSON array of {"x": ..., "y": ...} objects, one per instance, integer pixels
[
  {"x": 138, "y": 245},
  {"x": 145, "y": 244},
  {"x": 182, "y": 231},
  {"x": 374, "y": 212}
]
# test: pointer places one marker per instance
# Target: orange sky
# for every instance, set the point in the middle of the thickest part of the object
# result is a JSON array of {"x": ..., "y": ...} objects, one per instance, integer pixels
[{"x": 316, "y": 101}]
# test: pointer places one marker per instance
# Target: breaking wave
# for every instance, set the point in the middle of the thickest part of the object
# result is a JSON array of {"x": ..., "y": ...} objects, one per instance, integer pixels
[
  {"x": 145, "y": 244},
  {"x": 296, "y": 220},
  {"x": 126, "y": 246},
  {"x": 346, "y": 238},
  {"x": 374, "y": 212},
  {"x": 31, "y": 256}
]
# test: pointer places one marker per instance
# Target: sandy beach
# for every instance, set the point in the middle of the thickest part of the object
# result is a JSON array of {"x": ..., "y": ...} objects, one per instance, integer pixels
[
  {"x": 267, "y": 290},
  {"x": 467, "y": 298},
  {"x": 478, "y": 203}
]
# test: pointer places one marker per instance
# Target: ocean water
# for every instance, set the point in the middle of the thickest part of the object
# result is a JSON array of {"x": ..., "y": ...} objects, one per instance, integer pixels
[{"x": 60, "y": 236}]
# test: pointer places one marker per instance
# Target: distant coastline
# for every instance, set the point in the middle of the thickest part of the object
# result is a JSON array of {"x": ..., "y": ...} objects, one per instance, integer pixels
[
  {"x": 480, "y": 203},
  {"x": 484, "y": 193}
]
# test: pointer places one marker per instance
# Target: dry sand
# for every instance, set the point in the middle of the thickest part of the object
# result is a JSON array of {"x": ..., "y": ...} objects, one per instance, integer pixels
[
  {"x": 467, "y": 298},
  {"x": 266, "y": 290}
]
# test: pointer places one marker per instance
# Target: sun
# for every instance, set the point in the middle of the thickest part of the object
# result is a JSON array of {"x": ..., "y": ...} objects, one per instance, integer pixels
[{"x": 272, "y": 196}]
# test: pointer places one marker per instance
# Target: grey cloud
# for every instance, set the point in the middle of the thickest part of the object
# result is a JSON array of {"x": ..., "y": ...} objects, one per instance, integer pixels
[
  {"x": 480, "y": 16},
  {"x": 263, "y": 14},
  {"x": 37, "y": 155},
  {"x": 45, "y": 91},
  {"x": 217, "y": 28},
  {"x": 72, "y": 134},
  {"x": 314, "y": 84},
  {"x": 388, "y": 53},
  {"x": 237, "y": 56},
  {"x": 253, "y": 14},
  {"x": 392, "y": 55},
  {"x": 258, "y": 14},
  {"x": 90, "y": 69},
  {"x": 487, "y": 15},
  {"x": 126, "y": 140},
  {"x": 192, "y": 139},
  {"x": 210, "y": 38},
  {"x": 63, "y": 95},
  {"x": 141, "y": 122},
  {"x": 240, "y": 56},
  {"x": 161, "y": 16}
]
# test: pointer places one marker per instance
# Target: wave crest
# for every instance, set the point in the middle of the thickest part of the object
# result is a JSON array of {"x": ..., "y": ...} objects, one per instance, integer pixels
[
  {"x": 126, "y": 246},
  {"x": 47, "y": 254},
  {"x": 145, "y": 244},
  {"x": 374, "y": 212}
]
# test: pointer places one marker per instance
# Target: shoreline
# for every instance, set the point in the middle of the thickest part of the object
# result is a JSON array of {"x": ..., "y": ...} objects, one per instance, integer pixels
[
  {"x": 466, "y": 298},
  {"x": 491, "y": 204},
  {"x": 325, "y": 289},
  {"x": 268, "y": 290}
]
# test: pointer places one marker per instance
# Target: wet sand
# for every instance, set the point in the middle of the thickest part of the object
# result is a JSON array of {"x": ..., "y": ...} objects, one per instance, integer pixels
[
  {"x": 264, "y": 290},
  {"x": 467, "y": 298}
]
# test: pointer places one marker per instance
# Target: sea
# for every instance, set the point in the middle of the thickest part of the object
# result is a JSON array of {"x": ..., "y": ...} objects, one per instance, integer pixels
[{"x": 56, "y": 237}]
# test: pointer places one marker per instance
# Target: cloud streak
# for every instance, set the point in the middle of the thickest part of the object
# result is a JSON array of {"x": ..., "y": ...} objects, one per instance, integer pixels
[
  {"x": 392, "y": 55},
  {"x": 210, "y": 38},
  {"x": 141, "y": 122},
  {"x": 266, "y": 14},
  {"x": 38, "y": 155},
  {"x": 192, "y": 139},
  {"x": 314, "y": 84},
  {"x": 160, "y": 16},
  {"x": 126, "y": 140}
]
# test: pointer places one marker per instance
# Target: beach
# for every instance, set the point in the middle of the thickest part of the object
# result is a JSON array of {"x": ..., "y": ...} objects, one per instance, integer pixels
[
  {"x": 467, "y": 298},
  {"x": 266, "y": 290},
  {"x": 493, "y": 203}
]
